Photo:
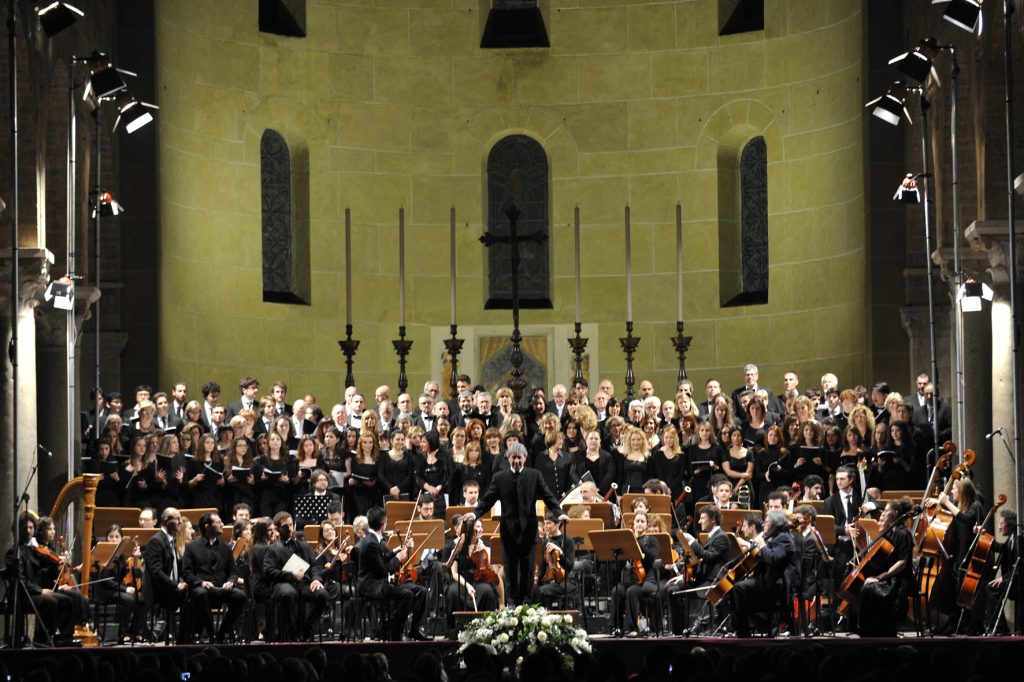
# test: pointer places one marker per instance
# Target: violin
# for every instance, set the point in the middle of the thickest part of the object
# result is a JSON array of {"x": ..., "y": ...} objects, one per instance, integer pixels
[
  {"x": 482, "y": 571},
  {"x": 552, "y": 556},
  {"x": 637, "y": 566},
  {"x": 133, "y": 568}
]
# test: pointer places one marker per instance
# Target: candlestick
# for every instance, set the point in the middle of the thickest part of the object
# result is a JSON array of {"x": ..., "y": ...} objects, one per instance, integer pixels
[
  {"x": 454, "y": 346},
  {"x": 453, "y": 265},
  {"x": 402, "y": 348},
  {"x": 629, "y": 272},
  {"x": 401, "y": 267},
  {"x": 679, "y": 261},
  {"x": 576, "y": 235},
  {"x": 349, "y": 347},
  {"x": 348, "y": 267}
]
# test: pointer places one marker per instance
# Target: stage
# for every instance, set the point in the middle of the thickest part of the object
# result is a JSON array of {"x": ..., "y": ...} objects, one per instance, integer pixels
[{"x": 806, "y": 658}]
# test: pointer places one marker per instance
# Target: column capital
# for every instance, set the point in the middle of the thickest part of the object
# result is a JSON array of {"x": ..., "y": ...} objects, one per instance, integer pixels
[
  {"x": 991, "y": 239},
  {"x": 51, "y": 323},
  {"x": 33, "y": 271}
]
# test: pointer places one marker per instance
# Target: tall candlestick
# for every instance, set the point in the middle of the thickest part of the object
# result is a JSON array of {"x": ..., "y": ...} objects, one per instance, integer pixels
[
  {"x": 629, "y": 273},
  {"x": 576, "y": 235},
  {"x": 679, "y": 262},
  {"x": 348, "y": 266},
  {"x": 453, "y": 265},
  {"x": 401, "y": 267}
]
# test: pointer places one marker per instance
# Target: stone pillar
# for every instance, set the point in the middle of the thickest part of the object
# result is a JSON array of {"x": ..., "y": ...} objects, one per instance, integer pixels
[
  {"x": 33, "y": 268},
  {"x": 915, "y": 323},
  {"x": 990, "y": 239},
  {"x": 56, "y": 433}
]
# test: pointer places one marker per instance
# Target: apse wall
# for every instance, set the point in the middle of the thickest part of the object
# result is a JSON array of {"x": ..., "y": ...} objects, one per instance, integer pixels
[{"x": 392, "y": 103}]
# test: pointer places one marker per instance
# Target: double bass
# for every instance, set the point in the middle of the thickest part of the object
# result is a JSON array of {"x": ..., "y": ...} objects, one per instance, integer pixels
[
  {"x": 741, "y": 568},
  {"x": 980, "y": 561}
]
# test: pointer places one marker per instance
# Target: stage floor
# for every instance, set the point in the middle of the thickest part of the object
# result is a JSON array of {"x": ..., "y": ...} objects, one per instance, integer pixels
[{"x": 966, "y": 652}]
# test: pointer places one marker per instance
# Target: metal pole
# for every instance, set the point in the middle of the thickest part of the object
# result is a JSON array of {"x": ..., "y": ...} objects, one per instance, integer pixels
[
  {"x": 69, "y": 332},
  {"x": 958, "y": 276},
  {"x": 15, "y": 298},
  {"x": 1012, "y": 267},
  {"x": 96, "y": 247},
  {"x": 928, "y": 264}
]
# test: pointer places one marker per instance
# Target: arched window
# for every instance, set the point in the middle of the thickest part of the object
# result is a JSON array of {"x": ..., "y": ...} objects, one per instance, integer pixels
[
  {"x": 517, "y": 175},
  {"x": 743, "y": 223},
  {"x": 284, "y": 230}
]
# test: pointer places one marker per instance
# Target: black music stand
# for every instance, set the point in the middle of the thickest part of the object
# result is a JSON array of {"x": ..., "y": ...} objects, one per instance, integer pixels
[{"x": 614, "y": 546}]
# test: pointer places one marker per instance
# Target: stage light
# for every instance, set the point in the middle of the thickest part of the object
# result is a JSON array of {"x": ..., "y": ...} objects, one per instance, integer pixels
[
  {"x": 104, "y": 80},
  {"x": 1018, "y": 184},
  {"x": 62, "y": 293},
  {"x": 134, "y": 113},
  {"x": 907, "y": 192},
  {"x": 58, "y": 16},
  {"x": 965, "y": 14},
  {"x": 919, "y": 63},
  {"x": 889, "y": 107},
  {"x": 971, "y": 294},
  {"x": 106, "y": 204}
]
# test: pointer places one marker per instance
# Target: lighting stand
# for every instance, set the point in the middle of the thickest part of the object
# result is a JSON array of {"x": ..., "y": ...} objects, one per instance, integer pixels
[
  {"x": 402, "y": 348},
  {"x": 97, "y": 210},
  {"x": 958, "y": 275},
  {"x": 682, "y": 345},
  {"x": 629, "y": 345},
  {"x": 579, "y": 346},
  {"x": 453, "y": 345},
  {"x": 349, "y": 347}
]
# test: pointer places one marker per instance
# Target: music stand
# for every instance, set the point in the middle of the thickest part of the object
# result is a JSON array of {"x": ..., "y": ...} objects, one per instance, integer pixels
[
  {"x": 420, "y": 528},
  {"x": 732, "y": 519},
  {"x": 450, "y": 512},
  {"x": 657, "y": 503},
  {"x": 194, "y": 514},
  {"x": 617, "y": 544},
  {"x": 103, "y": 553},
  {"x": 664, "y": 547},
  {"x": 105, "y": 517},
  {"x": 142, "y": 535},
  {"x": 598, "y": 510},
  {"x": 826, "y": 526},
  {"x": 226, "y": 534},
  {"x": 399, "y": 511},
  {"x": 490, "y": 526},
  {"x": 497, "y": 551},
  {"x": 581, "y": 528}
]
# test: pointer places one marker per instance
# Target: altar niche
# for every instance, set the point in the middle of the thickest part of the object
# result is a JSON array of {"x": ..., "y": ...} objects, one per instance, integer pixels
[{"x": 517, "y": 175}]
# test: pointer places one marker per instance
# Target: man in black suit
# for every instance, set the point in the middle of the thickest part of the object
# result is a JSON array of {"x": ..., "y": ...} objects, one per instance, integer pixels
[
  {"x": 750, "y": 376},
  {"x": 485, "y": 411},
  {"x": 713, "y": 555},
  {"x": 209, "y": 569},
  {"x": 558, "y": 405},
  {"x": 518, "y": 488},
  {"x": 162, "y": 576},
  {"x": 292, "y": 586},
  {"x": 376, "y": 563},
  {"x": 844, "y": 506},
  {"x": 248, "y": 387},
  {"x": 774, "y": 576}
]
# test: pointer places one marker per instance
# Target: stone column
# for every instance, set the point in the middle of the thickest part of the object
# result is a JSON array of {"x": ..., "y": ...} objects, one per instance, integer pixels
[
  {"x": 990, "y": 239},
  {"x": 55, "y": 432},
  {"x": 33, "y": 268}
]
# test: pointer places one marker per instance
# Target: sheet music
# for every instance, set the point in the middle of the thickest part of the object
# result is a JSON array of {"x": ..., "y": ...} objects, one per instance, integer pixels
[{"x": 295, "y": 563}]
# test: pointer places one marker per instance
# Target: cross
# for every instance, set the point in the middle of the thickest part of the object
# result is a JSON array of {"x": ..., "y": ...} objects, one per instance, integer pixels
[{"x": 514, "y": 239}]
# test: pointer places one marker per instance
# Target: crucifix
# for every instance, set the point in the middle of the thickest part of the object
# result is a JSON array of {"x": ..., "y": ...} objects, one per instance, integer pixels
[{"x": 514, "y": 239}]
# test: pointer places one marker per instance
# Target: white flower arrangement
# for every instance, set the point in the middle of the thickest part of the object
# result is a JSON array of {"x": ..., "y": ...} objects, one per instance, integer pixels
[{"x": 516, "y": 631}]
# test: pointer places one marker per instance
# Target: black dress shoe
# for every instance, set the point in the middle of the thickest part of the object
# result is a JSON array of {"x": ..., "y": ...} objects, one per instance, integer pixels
[{"x": 417, "y": 636}]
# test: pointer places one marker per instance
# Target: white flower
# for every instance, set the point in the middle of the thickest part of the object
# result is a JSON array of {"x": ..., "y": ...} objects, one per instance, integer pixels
[
  {"x": 548, "y": 621},
  {"x": 513, "y": 621},
  {"x": 542, "y": 636},
  {"x": 568, "y": 618},
  {"x": 519, "y": 661},
  {"x": 532, "y": 648},
  {"x": 582, "y": 634},
  {"x": 531, "y": 612},
  {"x": 575, "y": 643},
  {"x": 503, "y": 637},
  {"x": 518, "y": 610}
]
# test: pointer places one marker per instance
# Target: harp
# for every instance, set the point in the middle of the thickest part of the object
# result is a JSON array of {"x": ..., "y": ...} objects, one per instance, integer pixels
[{"x": 80, "y": 489}]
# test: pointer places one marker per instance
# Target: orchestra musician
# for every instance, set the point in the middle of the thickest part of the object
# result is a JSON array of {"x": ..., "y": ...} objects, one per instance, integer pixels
[
  {"x": 126, "y": 587},
  {"x": 376, "y": 564},
  {"x": 59, "y": 575},
  {"x": 967, "y": 512},
  {"x": 813, "y": 554},
  {"x": 776, "y": 569},
  {"x": 843, "y": 505},
  {"x": 474, "y": 585},
  {"x": 883, "y": 597},
  {"x": 712, "y": 554},
  {"x": 55, "y": 622},
  {"x": 630, "y": 588},
  {"x": 162, "y": 566},
  {"x": 289, "y": 587},
  {"x": 518, "y": 488},
  {"x": 557, "y": 549},
  {"x": 209, "y": 569},
  {"x": 991, "y": 598}
]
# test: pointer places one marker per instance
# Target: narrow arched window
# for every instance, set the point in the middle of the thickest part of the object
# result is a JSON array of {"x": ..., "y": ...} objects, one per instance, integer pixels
[
  {"x": 517, "y": 176},
  {"x": 754, "y": 219},
  {"x": 281, "y": 231}
]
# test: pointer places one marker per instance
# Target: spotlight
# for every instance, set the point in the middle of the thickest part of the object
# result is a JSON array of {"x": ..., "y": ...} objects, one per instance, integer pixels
[
  {"x": 965, "y": 14},
  {"x": 134, "y": 113},
  {"x": 106, "y": 204},
  {"x": 971, "y": 294},
  {"x": 104, "y": 80},
  {"x": 919, "y": 64},
  {"x": 907, "y": 192},
  {"x": 62, "y": 293},
  {"x": 890, "y": 106},
  {"x": 57, "y": 16},
  {"x": 1018, "y": 184}
]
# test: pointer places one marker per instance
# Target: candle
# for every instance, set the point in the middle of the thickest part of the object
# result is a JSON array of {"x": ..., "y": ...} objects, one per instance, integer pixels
[
  {"x": 401, "y": 267},
  {"x": 629, "y": 274},
  {"x": 453, "y": 264},
  {"x": 576, "y": 235},
  {"x": 679, "y": 262},
  {"x": 348, "y": 266}
]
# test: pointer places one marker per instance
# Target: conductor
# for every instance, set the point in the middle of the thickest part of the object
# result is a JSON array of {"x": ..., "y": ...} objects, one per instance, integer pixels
[{"x": 518, "y": 489}]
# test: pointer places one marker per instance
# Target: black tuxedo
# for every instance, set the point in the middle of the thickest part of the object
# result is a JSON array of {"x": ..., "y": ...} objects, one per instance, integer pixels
[
  {"x": 713, "y": 555},
  {"x": 288, "y": 591},
  {"x": 206, "y": 562},
  {"x": 518, "y": 494},
  {"x": 163, "y": 571},
  {"x": 553, "y": 409},
  {"x": 376, "y": 562},
  {"x": 237, "y": 406},
  {"x": 773, "y": 402},
  {"x": 775, "y": 576},
  {"x": 843, "y": 550},
  {"x": 493, "y": 418}
]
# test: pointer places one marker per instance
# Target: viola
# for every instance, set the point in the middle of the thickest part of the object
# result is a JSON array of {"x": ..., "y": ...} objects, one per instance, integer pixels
[
  {"x": 133, "y": 568},
  {"x": 637, "y": 566},
  {"x": 980, "y": 562},
  {"x": 555, "y": 571},
  {"x": 482, "y": 571}
]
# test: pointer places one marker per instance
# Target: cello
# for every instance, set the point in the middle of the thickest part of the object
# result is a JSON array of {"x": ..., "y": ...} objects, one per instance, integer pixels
[
  {"x": 979, "y": 561},
  {"x": 740, "y": 570}
]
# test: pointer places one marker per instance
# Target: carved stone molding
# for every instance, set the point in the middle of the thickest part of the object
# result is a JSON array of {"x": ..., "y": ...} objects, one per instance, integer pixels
[
  {"x": 51, "y": 323},
  {"x": 991, "y": 238},
  {"x": 34, "y": 273}
]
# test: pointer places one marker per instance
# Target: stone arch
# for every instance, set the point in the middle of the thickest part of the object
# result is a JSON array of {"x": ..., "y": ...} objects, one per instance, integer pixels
[
  {"x": 518, "y": 174},
  {"x": 284, "y": 191}
]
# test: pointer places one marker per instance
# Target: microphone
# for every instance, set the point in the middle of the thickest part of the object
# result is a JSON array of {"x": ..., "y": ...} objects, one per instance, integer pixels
[
  {"x": 48, "y": 453},
  {"x": 989, "y": 436}
]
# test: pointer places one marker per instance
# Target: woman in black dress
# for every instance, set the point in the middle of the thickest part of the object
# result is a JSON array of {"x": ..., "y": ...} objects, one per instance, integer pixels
[
  {"x": 335, "y": 460},
  {"x": 396, "y": 473},
  {"x": 138, "y": 479},
  {"x": 275, "y": 482},
  {"x": 473, "y": 468},
  {"x": 556, "y": 465},
  {"x": 705, "y": 458},
  {"x": 738, "y": 463},
  {"x": 239, "y": 476},
  {"x": 634, "y": 464},
  {"x": 597, "y": 461},
  {"x": 668, "y": 461},
  {"x": 364, "y": 492},
  {"x": 434, "y": 473},
  {"x": 205, "y": 474},
  {"x": 109, "y": 490}
]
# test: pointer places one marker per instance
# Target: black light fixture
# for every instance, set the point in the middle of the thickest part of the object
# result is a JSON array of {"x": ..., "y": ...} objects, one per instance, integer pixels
[
  {"x": 133, "y": 113},
  {"x": 104, "y": 80},
  {"x": 889, "y": 107},
  {"x": 919, "y": 63},
  {"x": 965, "y": 14},
  {"x": 61, "y": 292},
  {"x": 907, "y": 192},
  {"x": 106, "y": 204},
  {"x": 57, "y": 16},
  {"x": 972, "y": 293}
]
